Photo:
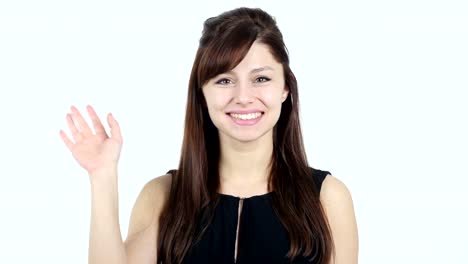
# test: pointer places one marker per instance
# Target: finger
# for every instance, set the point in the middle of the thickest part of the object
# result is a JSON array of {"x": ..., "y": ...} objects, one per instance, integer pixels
[
  {"x": 73, "y": 129},
  {"x": 66, "y": 140},
  {"x": 98, "y": 127},
  {"x": 114, "y": 128},
  {"x": 81, "y": 121}
]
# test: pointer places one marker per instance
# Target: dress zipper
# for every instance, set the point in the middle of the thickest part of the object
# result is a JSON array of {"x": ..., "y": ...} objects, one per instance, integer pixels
[{"x": 241, "y": 203}]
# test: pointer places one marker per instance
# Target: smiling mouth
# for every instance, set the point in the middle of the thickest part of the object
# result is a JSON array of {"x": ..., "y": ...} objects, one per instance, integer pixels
[{"x": 249, "y": 116}]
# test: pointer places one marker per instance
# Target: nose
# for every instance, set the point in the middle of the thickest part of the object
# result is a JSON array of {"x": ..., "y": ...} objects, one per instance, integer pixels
[{"x": 244, "y": 93}]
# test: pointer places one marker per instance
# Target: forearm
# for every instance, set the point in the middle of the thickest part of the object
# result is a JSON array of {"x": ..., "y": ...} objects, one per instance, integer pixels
[{"x": 105, "y": 239}]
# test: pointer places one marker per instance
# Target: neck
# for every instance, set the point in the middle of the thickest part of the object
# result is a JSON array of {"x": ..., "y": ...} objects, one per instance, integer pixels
[{"x": 245, "y": 164}]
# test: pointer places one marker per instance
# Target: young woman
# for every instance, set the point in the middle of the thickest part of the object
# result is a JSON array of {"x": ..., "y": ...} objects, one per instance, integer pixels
[{"x": 243, "y": 191}]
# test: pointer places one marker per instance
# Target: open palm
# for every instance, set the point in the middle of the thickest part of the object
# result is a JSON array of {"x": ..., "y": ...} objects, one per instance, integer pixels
[{"x": 93, "y": 151}]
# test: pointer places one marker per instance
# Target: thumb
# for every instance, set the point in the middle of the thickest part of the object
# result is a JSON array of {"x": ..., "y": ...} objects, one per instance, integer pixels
[{"x": 114, "y": 128}]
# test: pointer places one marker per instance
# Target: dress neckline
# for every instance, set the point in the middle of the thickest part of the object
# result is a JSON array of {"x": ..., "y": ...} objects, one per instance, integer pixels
[{"x": 245, "y": 198}]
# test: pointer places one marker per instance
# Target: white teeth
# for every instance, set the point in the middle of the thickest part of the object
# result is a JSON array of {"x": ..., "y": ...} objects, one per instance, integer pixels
[{"x": 246, "y": 116}]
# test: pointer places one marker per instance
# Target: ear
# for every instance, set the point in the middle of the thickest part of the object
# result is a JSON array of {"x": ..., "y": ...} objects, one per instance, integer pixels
[{"x": 285, "y": 93}]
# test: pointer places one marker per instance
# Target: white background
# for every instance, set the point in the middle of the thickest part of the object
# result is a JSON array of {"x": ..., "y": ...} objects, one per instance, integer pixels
[{"x": 383, "y": 90}]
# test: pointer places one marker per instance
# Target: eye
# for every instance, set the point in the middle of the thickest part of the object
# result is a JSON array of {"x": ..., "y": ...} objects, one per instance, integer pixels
[
  {"x": 222, "y": 81},
  {"x": 266, "y": 79}
]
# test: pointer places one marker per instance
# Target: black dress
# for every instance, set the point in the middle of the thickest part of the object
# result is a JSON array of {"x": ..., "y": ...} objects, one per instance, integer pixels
[{"x": 261, "y": 236}]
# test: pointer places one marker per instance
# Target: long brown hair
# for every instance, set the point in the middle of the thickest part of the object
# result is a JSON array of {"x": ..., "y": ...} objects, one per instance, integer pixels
[{"x": 225, "y": 41}]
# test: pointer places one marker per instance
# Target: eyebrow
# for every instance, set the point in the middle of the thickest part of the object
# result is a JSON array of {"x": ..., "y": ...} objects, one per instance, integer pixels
[{"x": 264, "y": 68}]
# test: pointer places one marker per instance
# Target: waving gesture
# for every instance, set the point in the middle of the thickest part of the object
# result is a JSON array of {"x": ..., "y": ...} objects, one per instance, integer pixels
[{"x": 93, "y": 151}]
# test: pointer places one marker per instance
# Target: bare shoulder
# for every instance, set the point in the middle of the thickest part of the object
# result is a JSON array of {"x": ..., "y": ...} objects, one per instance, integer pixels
[
  {"x": 149, "y": 204},
  {"x": 141, "y": 242},
  {"x": 158, "y": 187},
  {"x": 338, "y": 205},
  {"x": 336, "y": 198},
  {"x": 333, "y": 190}
]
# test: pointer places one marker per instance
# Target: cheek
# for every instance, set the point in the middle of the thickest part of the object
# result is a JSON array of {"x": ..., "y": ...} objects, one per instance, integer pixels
[
  {"x": 272, "y": 99},
  {"x": 216, "y": 102}
]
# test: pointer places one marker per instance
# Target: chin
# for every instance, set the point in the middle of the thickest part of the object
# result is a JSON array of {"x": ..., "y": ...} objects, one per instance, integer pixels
[{"x": 247, "y": 137}]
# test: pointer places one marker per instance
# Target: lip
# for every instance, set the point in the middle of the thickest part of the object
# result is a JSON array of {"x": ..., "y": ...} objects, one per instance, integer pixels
[
  {"x": 244, "y": 112},
  {"x": 249, "y": 122}
]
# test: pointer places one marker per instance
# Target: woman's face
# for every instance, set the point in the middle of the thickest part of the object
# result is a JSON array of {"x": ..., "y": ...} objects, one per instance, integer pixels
[{"x": 245, "y": 103}]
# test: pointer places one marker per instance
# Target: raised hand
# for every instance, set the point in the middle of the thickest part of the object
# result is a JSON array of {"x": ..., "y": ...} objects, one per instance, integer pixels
[{"x": 97, "y": 151}]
